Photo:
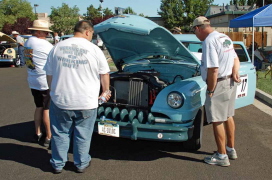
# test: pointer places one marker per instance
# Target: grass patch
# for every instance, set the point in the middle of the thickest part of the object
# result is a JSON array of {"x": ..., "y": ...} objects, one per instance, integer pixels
[
  {"x": 264, "y": 84},
  {"x": 111, "y": 64}
]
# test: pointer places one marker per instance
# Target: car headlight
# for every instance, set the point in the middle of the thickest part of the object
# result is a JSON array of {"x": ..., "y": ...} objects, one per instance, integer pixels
[
  {"x": 175, "y": 100},
  {"x": 9, "y": 51}
]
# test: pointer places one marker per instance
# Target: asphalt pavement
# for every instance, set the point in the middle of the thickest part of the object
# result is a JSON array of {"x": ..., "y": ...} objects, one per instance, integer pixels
[{"x": 118, "y": 158}]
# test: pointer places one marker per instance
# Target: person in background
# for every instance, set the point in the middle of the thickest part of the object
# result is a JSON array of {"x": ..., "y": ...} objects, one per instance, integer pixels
[
  {"x": 219, "y": 69},
  {"x": 259, "y": 58},
  {"x": 20, "y": 42},
  {"x": 176, "y": 30},
  {"x": 35, "y": 54},
  {"x": 75, "y": 69},
  {"x": 56, "y": 37}
]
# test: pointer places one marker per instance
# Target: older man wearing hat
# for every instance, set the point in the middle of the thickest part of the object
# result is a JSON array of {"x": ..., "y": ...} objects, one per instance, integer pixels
[
  {"x": 176, "y": 30},
  {"x": 20, "y": 42},
  {"x": 219, "y": 63},
  {"x": 36, "y": 51}
]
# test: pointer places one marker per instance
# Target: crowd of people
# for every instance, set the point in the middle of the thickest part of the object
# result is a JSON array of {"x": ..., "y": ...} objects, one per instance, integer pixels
[{"x": 66, "y": 95}]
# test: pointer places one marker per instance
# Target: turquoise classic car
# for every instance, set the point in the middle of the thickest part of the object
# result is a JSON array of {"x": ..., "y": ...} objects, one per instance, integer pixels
[{"x": 157, "y": 92}]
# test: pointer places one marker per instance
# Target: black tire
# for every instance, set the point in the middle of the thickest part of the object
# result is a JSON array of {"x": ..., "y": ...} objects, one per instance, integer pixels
[
  {"x": 16, "y": 62},
  {"x": 195, "y": 142}
]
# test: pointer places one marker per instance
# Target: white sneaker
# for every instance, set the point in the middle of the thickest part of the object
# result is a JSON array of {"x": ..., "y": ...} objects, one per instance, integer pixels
[
  {"x": 232, "y": 154},
  {"x": 215, "y": 160}
]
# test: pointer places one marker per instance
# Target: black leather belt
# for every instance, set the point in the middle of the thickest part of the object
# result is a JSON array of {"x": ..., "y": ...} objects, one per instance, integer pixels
[{"x": 223, "y": 78}]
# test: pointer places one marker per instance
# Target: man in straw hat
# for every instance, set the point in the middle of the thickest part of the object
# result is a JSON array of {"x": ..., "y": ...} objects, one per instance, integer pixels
[
  {"x": 219, "y": 69},
  {"x": 20, "y": 42},
  {"x": 176, "y": 30},
  {"x": 36, "y": 52}
]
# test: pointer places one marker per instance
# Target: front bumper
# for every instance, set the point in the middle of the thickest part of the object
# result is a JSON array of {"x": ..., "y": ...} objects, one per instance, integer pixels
[
  {"x": 156, "y": 132},
  {"x": 6, "y": 61}
]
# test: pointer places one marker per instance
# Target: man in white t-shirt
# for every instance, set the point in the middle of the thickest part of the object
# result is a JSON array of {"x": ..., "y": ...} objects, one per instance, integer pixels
[
  {"x": 35, "y": 54},
  {"x": 75, "y": 69},
  {"x": 20, "y": 41},
  {"x": 56, "y": 37},
  {"x": 219, "y": 69}
]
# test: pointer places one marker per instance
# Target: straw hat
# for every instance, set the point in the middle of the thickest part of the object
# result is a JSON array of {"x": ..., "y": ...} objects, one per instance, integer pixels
[
  {"x": 15, "y": 32},
  {"x": 176, "y": 29},
  {"x": 41, "y": 25}
]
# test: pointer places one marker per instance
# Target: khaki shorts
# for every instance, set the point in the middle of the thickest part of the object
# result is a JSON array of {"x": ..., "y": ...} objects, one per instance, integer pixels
[{"x": 221, "y": 105}]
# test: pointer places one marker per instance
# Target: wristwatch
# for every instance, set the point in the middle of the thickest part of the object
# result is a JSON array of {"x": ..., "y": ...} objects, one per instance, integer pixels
[{"x": 210, "y": 92}]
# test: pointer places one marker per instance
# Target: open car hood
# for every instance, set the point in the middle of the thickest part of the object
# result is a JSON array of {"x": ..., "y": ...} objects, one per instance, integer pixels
[
  {"x": 4, "y": 37},
  {"x": 129, "y": 38}
]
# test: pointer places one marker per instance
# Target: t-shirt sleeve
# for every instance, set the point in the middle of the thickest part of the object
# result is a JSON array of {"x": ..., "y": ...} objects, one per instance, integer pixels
[
  {"x": 211, "y": 55},
  {"x": 234, "y": 54},
  {"x": 103, "y": 67}
]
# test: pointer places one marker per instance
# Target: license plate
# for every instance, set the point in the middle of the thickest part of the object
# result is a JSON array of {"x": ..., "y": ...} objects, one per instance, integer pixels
[{"x": 108, "y": 129}]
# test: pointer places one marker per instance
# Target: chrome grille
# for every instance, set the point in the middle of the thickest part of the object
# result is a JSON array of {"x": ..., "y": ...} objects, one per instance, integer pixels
[{"x": 133, "y": 92}]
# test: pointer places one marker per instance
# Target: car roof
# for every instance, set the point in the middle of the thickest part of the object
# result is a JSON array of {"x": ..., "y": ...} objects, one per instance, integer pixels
[
  {"x": 192, "y": 38},
  {"x": 67, "y": 36}
]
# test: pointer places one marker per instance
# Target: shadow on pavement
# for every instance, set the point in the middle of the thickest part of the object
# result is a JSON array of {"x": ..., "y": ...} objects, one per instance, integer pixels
[
  {"x": 30, "y": 156},
  {"x": 21, "y": 132},
  {"x": 102, "y": 147},
  {"x": 106, "y": 148}
]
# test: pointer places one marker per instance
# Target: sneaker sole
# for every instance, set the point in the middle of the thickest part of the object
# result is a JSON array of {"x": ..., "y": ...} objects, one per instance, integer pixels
[
  {"x": 223, "y": 165},
  {"x": 82, "y": 170},
  {"x": 232, "y": 158}
]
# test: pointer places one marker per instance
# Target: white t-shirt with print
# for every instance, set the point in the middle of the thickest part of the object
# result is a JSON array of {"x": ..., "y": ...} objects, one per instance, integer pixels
[
  {"x": 35, "y": 54},
  {"x": 75, "y": 65},
  {"x": 217, "y": 51}
]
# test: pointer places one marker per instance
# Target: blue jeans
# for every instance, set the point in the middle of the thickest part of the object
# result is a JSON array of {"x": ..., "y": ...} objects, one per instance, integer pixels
[
  {"x": 21, "y": 55},
  {"x": 64, "y": 124}
]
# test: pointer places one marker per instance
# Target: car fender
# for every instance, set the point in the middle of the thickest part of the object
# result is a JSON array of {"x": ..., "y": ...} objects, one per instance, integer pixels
[{"x": 193, "y": 91}]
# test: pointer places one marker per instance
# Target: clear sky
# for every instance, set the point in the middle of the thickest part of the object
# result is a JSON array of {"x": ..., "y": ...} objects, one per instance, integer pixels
[{"x": 147, "y": 7}]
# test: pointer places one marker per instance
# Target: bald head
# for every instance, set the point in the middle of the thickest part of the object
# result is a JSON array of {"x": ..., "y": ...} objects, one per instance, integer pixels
[{"x": 84, "y": 29}]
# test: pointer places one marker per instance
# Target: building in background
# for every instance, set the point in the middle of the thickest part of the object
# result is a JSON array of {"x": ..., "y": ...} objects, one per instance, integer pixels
[{"x": 220, "y": 17}]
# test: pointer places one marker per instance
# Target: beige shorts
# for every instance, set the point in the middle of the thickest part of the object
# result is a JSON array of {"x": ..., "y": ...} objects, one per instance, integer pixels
[{"x": 221, "y": 105}]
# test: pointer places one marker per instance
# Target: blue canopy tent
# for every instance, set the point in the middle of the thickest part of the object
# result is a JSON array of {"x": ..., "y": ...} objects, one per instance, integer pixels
[{"x": 258, "y": 18}]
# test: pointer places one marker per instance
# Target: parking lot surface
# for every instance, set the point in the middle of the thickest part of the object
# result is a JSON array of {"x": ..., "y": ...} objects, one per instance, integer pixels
[{"x": 116, "y": 158}]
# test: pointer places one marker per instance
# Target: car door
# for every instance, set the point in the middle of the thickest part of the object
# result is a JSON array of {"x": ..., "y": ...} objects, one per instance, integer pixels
[{"x": 246, "y": 89}]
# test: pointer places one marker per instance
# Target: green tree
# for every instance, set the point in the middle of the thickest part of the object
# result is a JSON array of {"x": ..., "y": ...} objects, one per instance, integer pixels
[
  {"x": 92, "y": 13},
  {"x": 181, "y": 13},
  {"x": 172, "y": 12},
  {"x": 11, "y": 10},
  {"x": 107, "y": 12},
  {"x": 141, "y": 14},
  {"x": 242, "y": 2},
  {"x": 64, "y": 18},
  {"x": 21, "y": 25},
  {"x": 129, "y": 10}
]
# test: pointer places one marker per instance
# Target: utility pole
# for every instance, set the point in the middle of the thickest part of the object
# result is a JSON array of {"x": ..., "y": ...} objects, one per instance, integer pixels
[
  {"x": 35, "y": 5},
  {"x": 101, "y": 8},
  {"x": 263, "y": 33}
]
